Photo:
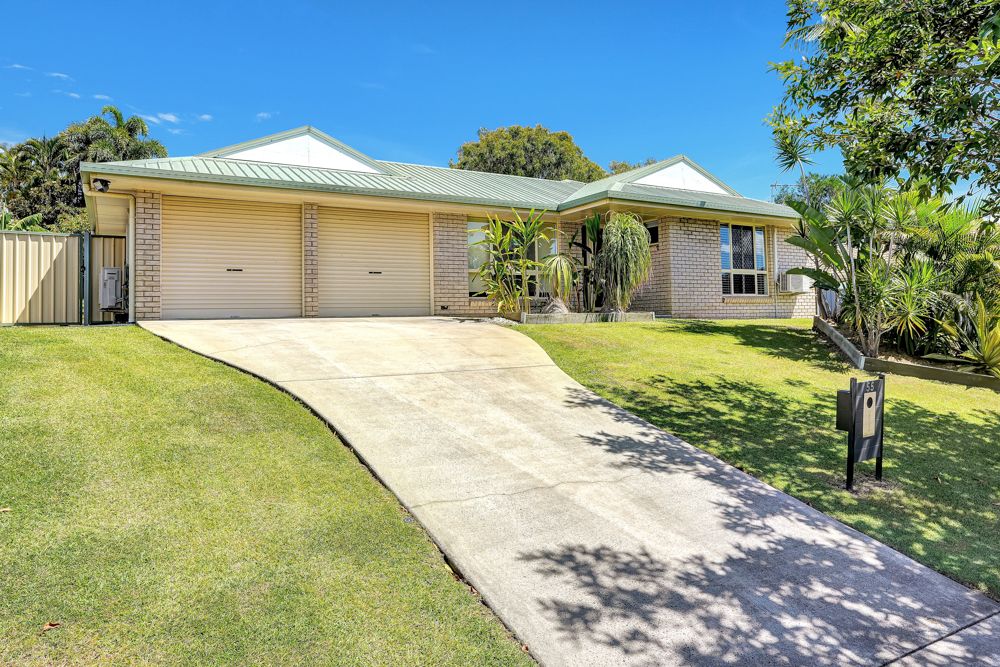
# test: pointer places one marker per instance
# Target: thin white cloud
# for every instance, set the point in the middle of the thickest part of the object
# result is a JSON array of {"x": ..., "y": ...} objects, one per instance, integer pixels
[
  {"x": 205, "y": 117},
  {"x": 265, "y": 115},
  {"x": 169, "y": 117},
  {"x": 175, "y": 130},
  {"x": 152, "y": 119},
  {"x": 17, "y": 66},
  {"x": 75, "y": 96},
  {"x": 23, "y": 94},
  {"x": 101, "y": 97},
  {"x": 59, "y": 75},
  {"x": 372, "y": 85},
  {"x": 423, "y": 49}
]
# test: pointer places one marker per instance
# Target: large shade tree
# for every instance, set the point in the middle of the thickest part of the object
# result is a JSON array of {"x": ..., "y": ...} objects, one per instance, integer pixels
[
  {"x": 903, "y": 89},
  {"x": 527, "y": 151}
]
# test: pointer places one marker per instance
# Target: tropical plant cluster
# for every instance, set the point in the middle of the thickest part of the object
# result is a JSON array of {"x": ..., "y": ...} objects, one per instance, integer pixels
[
  {"x": 919, "y": 275},
  {"x": 40, "y": 177},
  {"x": 608, "y": 262}
]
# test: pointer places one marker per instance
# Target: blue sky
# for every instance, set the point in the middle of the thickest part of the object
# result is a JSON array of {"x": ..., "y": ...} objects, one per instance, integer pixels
[{"x": 411, "y": 81}]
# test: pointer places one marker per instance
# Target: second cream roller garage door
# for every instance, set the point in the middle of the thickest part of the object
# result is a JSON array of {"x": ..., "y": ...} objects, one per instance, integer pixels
[
  {"x": 224, "y": 259},
  {"x": 373, "y": 263}
]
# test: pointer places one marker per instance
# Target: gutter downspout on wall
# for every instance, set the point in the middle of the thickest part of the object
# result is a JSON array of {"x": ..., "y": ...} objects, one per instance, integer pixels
[
  {"x": 777, "y": 272},
  {"x": 129, "y": 244}
]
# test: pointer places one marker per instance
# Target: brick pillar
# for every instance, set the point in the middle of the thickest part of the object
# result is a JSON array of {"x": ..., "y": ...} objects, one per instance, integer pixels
[
  {"x": 146, "y": 272},
  {"x": 451, "y": 268},
  {"x": 310, "y": 260}
]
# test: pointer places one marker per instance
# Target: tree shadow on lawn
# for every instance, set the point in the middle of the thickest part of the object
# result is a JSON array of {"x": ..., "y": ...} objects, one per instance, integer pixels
[
  {"x": 797, "y": 587},
  {"x": 793, "y": 439},
  {"x": 773, "y": 340}
]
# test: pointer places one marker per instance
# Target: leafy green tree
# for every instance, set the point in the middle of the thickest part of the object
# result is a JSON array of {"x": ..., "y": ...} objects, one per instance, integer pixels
[
  {"x": 904, "y": 89},
  {"x": 621, "y": 166},
  {"x": 817, "y": 190},
  {"x": 73, "y": 223},
  {"x": 527, "y": 151}
]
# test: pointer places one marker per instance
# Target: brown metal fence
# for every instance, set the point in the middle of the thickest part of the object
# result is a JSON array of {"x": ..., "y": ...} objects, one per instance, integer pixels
[{"x": 41, "y": 278}]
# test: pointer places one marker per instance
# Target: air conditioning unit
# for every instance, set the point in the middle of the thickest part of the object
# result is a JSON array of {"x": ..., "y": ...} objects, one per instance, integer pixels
[
  {"x": 111, "y": 288},
  {"x": 791, "y": 283}
]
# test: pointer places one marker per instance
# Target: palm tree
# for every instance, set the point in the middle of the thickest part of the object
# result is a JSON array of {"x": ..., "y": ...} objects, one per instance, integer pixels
[
  {"x": 109, "y": 137},
  {"x": 122, "y": 139},
  {"x": 14, "y": 172},
  {"x": 46, "y": 158}
]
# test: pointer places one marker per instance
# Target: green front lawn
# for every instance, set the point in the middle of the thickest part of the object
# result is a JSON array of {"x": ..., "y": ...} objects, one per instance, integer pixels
[
  {"x": 163, "y": 508},
  {"x": 762, "y": 396}
]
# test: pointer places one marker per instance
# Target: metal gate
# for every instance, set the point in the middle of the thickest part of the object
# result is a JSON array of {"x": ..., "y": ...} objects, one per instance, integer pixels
[
  {"x": 41, "y": 278},
  {"x": 105, "y": 251}
]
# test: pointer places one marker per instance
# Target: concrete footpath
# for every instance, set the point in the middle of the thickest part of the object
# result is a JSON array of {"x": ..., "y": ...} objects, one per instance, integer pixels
[{"x": 596, "y": 537}]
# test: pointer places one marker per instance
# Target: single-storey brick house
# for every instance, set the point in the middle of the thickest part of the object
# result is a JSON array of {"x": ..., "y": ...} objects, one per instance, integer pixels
[{"x": 299, "y": 224}]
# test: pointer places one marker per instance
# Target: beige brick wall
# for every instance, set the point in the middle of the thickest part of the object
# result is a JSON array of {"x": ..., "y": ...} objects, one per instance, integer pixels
[
  {"x": 310, "y": 260},
  {"x": 655, "y": 294},
  {"x": 684, "y": 281},
  {"x": 451, "y": 268},
  {"x": 146, "y": 272},
  {"x": 696, "y": 268}
]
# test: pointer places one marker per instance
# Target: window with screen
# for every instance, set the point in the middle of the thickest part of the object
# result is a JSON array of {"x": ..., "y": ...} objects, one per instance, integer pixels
[{"x": 744, "y": 260}]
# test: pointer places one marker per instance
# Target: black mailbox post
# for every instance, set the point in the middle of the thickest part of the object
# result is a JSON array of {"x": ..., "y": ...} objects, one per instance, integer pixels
[{"x": 860, "y": 413}]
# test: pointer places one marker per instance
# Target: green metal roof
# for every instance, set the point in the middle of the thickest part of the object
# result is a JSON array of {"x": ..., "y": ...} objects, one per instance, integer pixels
[{"x": 411, "y": 181}]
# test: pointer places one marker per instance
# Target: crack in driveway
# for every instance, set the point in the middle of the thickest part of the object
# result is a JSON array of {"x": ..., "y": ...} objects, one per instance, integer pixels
[{"x": 543, "y": 487}]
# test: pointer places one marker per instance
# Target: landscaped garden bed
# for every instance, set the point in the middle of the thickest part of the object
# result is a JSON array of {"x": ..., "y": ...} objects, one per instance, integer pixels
[{"x": 926, "y": 369}]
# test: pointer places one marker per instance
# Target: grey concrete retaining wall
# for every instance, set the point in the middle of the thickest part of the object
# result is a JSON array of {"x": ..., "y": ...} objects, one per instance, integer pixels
[{"x": 871, "y": 365}]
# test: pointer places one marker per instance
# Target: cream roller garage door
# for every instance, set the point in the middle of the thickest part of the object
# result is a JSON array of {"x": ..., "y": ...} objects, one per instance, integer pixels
[
  {"x": 224, "y": 259},
  {"x": 373, "y": 263}
]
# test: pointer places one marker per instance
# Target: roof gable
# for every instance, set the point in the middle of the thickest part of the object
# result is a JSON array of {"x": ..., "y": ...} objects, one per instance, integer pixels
[
  {"x": 302, "y": 147},
  {"x": 679, "y": 173}
]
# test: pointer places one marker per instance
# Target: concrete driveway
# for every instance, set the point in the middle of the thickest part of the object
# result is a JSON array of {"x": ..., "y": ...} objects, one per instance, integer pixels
[{"x": 596, "y": 537}]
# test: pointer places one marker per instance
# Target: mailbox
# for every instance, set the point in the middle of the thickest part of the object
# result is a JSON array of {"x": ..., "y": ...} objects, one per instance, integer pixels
[{"x": 860, "y": 413}]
